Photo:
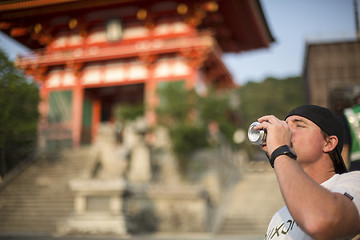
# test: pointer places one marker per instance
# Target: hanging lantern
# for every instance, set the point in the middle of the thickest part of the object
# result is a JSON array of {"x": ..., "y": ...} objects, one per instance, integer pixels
[
  {"x": 182, "y": 9},
  {"x": 37, "y": 28},
  {"x": 73, "y": 23},
  {"x": 211, "y": 6},
  {"x": 141, "y": 14}
]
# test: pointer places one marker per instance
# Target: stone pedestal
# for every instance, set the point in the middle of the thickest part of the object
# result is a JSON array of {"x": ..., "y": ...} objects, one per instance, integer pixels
[
  {"x": 140, "y": 169},
  {"x": 98, "y": 208},
  {"x": 167, "y": 209},
  {"x": 94, "y": 225}
]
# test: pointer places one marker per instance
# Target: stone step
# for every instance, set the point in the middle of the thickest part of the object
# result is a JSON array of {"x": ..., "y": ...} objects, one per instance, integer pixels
[
  {"x": 31, "y": 226},
  {"x": 38, "y": 198},
  {"x": 49, "y": 214},
  {"x": 41, "y": 204},
  {"x": 255, "y": 199}
]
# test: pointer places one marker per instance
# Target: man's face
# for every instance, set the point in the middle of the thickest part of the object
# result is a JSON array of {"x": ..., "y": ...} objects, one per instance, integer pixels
[{"x": 307, "y": 139}]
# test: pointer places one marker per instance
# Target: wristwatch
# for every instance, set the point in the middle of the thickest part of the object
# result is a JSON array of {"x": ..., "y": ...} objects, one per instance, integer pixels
[{"x": 282, "y": 150}]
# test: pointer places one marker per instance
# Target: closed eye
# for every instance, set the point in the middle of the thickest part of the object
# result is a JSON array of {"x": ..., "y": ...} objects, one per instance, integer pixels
[{"x": 299, "y": 123}]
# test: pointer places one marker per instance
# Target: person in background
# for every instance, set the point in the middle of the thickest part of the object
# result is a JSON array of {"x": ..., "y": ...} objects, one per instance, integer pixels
[
  {"x": 351, "y": 151},
  {"x": 322, "y": 199}
]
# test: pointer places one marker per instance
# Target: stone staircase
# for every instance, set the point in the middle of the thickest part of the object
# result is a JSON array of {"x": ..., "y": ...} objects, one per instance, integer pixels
[
  {"x": 254, "y": 201},
  {"x": 39, "y": 197}
]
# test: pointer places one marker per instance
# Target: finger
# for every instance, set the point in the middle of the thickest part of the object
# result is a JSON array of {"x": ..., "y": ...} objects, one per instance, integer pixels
[
  {"x": 266, "y": 121},
  {"x": 267, "y": 118}
]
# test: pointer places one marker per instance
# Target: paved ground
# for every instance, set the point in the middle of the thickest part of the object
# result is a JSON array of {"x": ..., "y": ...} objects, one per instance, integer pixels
[{"x": 141, "y": 237}]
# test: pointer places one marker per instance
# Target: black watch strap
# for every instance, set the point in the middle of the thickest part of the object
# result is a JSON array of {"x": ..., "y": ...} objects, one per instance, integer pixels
[{"x": 282, "y": 150}]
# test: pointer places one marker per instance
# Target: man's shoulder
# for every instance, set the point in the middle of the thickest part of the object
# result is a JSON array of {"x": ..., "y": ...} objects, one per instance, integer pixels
[
  {"x": 342, "y": 182},
  {"x": 347, "y": 183},
  {"x": 349, "y": 177}
]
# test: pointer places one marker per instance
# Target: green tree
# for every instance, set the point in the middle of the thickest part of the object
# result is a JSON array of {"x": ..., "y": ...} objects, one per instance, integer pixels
[
  {"x": 272, "y": 96},
  {"x": 175, "y": 110},
  {"x": 187, "y": 116},
  {"x": 215, "y": 107},
  {"x": 125, "y": 112},
  {"x": 19, "y": 100}
]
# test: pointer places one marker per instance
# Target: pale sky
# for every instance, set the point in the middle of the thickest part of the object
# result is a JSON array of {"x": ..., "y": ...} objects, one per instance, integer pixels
[{"x": 292, "y": 23}]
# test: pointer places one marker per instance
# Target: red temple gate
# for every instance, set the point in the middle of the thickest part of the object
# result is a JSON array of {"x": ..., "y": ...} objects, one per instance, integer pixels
[{"x": 91, "y": 55}]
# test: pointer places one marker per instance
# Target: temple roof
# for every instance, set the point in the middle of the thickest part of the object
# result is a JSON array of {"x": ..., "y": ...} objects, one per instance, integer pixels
[{"x": 237, "y": 25}]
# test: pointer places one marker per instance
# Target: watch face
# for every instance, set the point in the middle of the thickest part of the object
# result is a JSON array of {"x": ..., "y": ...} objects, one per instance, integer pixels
[
  {"x": 114, "y": 30},
  {"x": 291, "y": 153}
]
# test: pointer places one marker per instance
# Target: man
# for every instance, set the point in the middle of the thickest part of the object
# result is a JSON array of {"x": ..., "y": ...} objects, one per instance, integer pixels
[{"x": 322, "y": 200}]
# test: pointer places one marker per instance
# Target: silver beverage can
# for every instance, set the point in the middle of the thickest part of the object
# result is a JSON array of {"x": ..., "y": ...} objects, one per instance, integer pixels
[{"x": 256, "y": 137}]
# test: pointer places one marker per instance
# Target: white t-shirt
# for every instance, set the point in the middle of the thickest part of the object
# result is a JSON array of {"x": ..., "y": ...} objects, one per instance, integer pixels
[{"x": 283, "y": 226}]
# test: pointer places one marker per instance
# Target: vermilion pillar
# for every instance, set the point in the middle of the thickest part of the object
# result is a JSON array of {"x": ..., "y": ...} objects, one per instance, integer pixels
[
  {"x": 151, "y": 98},
  {"x": 77, "y": 111},
  {"x": 96, "y": 118}
]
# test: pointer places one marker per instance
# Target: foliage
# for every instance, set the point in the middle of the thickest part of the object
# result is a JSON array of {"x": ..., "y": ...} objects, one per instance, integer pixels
[
  {"x": 175, "y": 103},
  {"x": 187, "y": 116},
  {"x": 185, "y": 139},
  {"x": 129, "y": 112},
  {"x": 174, "y": 112},
  {"x": 19, "y": 100},
  {"x": 272, "y": 96},
  {"x": 215, "y": 108}
]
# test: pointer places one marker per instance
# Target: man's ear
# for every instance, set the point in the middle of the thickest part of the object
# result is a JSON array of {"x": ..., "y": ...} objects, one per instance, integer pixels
[{"x": 331, "y": 143}]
